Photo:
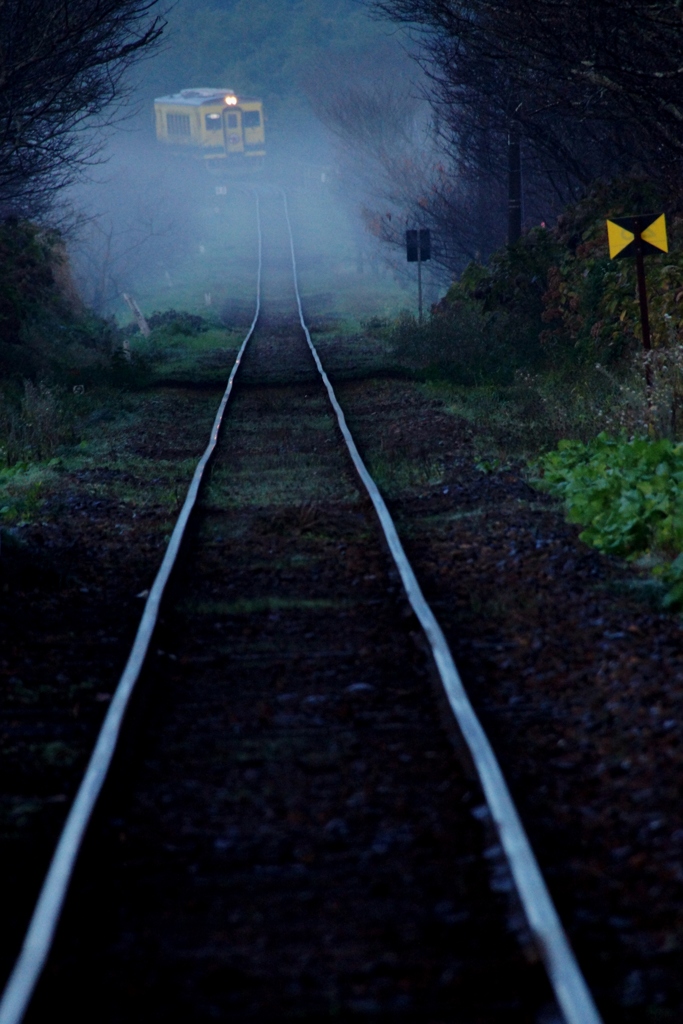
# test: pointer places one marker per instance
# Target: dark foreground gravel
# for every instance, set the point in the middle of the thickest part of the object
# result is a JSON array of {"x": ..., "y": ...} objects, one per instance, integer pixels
[{"x": 578, "y": 678}]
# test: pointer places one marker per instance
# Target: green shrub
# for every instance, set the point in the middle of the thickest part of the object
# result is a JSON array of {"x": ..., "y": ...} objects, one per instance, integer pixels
[
  {"x": 46, "y": 335},
  {"x": 487, "y": 327},
  {"x": 627, "y": 494},
  {"x": 34, "y": 426},
  {"x": 28, "y": 257},
  {"x": 465, "y": 347},
  {"x": 174, "y": 322}
]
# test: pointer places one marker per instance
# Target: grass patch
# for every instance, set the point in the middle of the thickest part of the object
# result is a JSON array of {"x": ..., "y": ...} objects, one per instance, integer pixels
[
  {"x": 395, "y": 473},
  {"x": 106, "y": 463},
  {"x": 200, "y": 357},
  {"x": 269, "y": 484},
  {"x": 22, "y": 491}
]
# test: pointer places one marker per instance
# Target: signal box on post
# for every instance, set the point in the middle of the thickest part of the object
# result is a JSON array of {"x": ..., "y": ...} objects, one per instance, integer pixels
[
  {"x": 418, "y": 245},
  {"x": 418, "y": 249}
]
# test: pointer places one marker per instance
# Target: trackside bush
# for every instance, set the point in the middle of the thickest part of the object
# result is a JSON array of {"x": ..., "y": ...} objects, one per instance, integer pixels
[
  {"x": 33, "y": 425},
  {"x": 467, "y": 348},
  {"x": 627, "y": 494}
]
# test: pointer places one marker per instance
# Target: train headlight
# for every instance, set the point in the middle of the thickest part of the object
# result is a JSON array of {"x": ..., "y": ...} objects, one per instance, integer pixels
[{"x": 231, "y": 101}]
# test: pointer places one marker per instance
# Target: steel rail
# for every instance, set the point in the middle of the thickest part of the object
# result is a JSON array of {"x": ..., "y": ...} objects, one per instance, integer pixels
[
  {"x": 571, "y": 991},
  {"x": 43, "y": 925}
]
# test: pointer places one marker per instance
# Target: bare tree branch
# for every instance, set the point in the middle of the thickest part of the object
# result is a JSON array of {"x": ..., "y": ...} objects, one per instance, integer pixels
[
  {"x": 592, "y": 87},
  {"x": 63, "y": 66}
]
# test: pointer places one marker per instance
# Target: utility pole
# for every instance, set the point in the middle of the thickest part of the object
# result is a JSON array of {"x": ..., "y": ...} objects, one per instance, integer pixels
[
  {"x": 419, "y": 283},
  {"x": 514, "y": 186}
]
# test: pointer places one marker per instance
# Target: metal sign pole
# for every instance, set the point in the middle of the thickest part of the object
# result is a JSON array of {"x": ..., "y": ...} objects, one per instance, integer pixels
[
  {"x": 418, "y": 250},
  {"x": 642, "y": 295}
]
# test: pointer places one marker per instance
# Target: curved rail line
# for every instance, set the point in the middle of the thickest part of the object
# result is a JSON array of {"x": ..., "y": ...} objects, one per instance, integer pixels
[
  {"x": 569, "y": 986},
  {"x": 41, "y": 930}
]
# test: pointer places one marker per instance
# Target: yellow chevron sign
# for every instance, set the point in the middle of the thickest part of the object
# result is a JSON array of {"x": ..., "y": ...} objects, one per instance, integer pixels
[
  {"x": 627, "y": 235},
  {"x": 656, "y": 234},
  {"x": 618, "y": 238}
]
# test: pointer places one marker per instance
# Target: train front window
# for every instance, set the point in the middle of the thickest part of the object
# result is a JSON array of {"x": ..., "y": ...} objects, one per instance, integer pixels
[
  {"x": 251, "y": 119},
  {"x": 232, "y": 121},
  {"x": 212, "y": 122}
]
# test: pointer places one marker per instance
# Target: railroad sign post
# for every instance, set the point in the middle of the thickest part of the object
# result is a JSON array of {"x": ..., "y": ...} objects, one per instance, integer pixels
[
  {"x": 639, "y": 236},
  {"x": 418, "y": 249}
]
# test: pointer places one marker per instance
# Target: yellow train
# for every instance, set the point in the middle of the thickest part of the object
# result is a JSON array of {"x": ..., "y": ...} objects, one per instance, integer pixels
[{"x": 212, "y": 123}]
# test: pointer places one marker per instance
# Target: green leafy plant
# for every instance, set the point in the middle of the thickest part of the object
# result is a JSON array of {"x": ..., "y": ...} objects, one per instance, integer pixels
[{"x": 629, "y": 496}]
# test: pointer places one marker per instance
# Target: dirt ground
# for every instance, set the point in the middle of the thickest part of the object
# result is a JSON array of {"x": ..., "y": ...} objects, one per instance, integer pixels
[
  {"x": 70, "y": 576},
  {"x": 578, "y": 680}
]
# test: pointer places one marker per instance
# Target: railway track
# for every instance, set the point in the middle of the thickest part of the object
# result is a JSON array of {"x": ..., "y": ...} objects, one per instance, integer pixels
[{"x": 285, "y": 831}]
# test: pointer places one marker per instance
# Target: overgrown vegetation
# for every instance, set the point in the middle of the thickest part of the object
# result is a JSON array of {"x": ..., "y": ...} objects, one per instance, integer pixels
[
  {"x": 69, "y": 378},
  {"x": 487, "y": 327},
  {"x": 34, "y": 427},
  {"x": 46, "y": 338},
  {"x": 53, "y": 350},
  {"x": 542, "y": 346},
  {"x": 45, "y": 331},
  {"x": 543, "y": 342}
]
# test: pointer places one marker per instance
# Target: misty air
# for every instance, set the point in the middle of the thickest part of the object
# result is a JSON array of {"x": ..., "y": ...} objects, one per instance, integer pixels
[{"x": 341, "y": 512}]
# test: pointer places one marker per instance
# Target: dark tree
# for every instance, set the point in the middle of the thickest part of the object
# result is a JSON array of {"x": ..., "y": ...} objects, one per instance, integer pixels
[
  {"x": 591, "y": 88},
  {"x": 62, "y": 74}
]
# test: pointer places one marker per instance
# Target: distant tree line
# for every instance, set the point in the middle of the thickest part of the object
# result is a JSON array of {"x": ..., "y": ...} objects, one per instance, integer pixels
[{"x": 62, "y": 73}]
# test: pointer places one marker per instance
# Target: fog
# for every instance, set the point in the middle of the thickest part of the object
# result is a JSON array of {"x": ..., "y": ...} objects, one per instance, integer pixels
[{"x": 159, "y": 226}]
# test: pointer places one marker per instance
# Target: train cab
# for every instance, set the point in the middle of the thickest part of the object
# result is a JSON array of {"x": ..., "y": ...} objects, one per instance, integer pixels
[{"x": 211, "y": 123}]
